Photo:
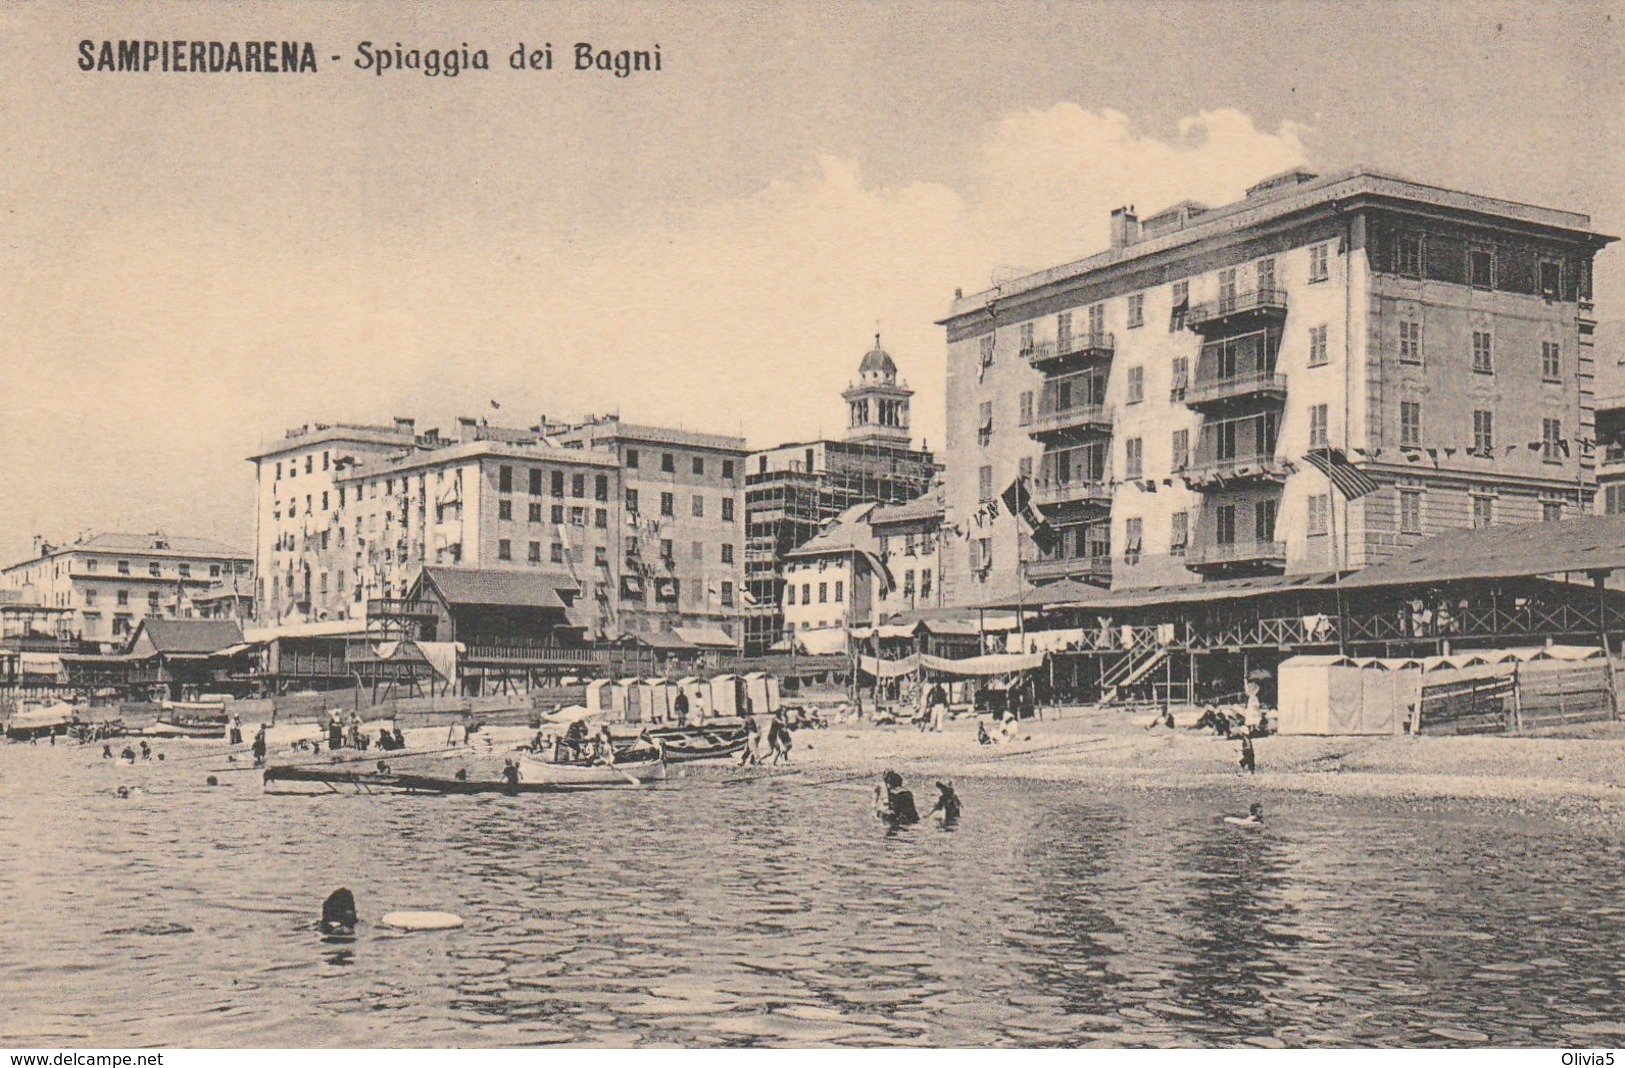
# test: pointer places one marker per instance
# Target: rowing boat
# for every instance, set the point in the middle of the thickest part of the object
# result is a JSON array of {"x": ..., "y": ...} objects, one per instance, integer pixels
[
  {"x": 630, "y": 769},
  {"x": 684, "y": 745}
]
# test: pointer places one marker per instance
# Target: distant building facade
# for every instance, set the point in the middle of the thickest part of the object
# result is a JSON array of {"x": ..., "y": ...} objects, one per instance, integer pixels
[
  {"x": 110, "y": 582},
  {"x": 793, "y": 489},
  {"x": 646, "y": 520},
  {"x": 1162, "y": 396}
]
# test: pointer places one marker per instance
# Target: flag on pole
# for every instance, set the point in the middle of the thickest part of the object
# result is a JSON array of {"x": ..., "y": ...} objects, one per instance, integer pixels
[
  {"x": 1020, "y": 503},
  {"x": 1350, "y": 481}
]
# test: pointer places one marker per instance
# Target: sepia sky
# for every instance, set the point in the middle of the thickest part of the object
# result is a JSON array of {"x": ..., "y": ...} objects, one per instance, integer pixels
[{"x": 191, "y": 263}]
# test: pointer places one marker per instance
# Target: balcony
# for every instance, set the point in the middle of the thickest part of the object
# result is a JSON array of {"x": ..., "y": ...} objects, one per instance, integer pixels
[
  {"x": 397, "y": 608},
  {"x": 1252, "y": 555},
  {"x": 1075, "y": 419},
  {"x": 1212, "y": 472},
  {"x": 1072, "y": 349},
  {"x": 1223, "y": 392},
  {"x": 1052, "y": 492},
  {"x": 1238, "y": 311},
  {"x": 524, "y": 654},
  {"x": 1092, "y": 569}
]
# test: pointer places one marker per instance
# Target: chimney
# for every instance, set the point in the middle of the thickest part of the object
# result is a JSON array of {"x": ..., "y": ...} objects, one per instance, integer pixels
[
  {"x": 468, "y": 429},
  {"x": 1125, "y": 227},
  {"x": 404, "y": 425}
]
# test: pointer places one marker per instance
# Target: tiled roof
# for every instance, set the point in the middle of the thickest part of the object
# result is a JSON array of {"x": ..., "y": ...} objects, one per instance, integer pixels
[
  {"x": 511, "y": 589},
  {"x": 1582, "y": 544},
  {"x": 200, "y": 636}
]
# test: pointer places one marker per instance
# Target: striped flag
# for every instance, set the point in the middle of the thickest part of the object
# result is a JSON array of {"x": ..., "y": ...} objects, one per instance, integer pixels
[{"x": 1350, "y": 481}]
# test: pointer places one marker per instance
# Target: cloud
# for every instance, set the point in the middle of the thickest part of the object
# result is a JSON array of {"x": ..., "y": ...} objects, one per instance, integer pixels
[{"x": 178, "y": 344}]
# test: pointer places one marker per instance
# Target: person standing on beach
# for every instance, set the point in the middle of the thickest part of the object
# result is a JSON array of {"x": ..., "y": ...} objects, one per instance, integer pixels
[
  {"x": 1248, "y": 761},
  {"x": 937, "y": 706},
  {"x": 680, "y": 708},
  {"x": 259, "y": 747}
]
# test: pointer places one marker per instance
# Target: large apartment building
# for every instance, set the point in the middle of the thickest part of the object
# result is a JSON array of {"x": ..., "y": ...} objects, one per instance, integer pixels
[
  {"x": 107, "y": 584},
  {"x": 793, "y": 490},
  {"x": 1430, "y": 348},
  {"x": 348, "y": 515}
]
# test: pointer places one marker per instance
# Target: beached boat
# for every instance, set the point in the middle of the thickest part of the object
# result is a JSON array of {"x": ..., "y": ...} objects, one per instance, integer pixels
[
  {"x": 40, "y": 721},
  {"x": 190, "y": 719},
  {"x": 684, "y": 745},
  {"x": 631, "y": 768},
  {"x": 311, "y": 780}
]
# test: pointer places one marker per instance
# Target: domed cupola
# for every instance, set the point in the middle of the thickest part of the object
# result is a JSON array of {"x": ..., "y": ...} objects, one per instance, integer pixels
[{"x": 878, "y": 403}]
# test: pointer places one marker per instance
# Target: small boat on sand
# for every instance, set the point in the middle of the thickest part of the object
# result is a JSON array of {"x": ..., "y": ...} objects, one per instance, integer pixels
[
  {"x": 190, "y": 719},
  {"x": 630, "y": 768},
  {"x": 684, "y": 745},
  {"x": 37, "y": 720}
]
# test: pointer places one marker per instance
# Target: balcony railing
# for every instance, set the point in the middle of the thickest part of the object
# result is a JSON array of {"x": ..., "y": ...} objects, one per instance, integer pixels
[
  {"x": 1206, "y": 470},
  {"x": 1253, "y": 384},
  {"x": 1054, "y": 491},
  {"x": 378, "y": 607},
  {"x": 1051, "y": 420},
  {"x": 1267, "y": 303},
  {"x": 1074, "y": 346},
  {"x": 1096, "y": 569},
  {"x": 529, "y": 654},
  {"x": 1250, "y": 552}
]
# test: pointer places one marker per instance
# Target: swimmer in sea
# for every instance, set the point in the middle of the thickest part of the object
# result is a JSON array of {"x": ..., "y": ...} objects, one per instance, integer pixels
[
  {"x": 947, "y": 803},
  {"x": 893, "y": 803}
]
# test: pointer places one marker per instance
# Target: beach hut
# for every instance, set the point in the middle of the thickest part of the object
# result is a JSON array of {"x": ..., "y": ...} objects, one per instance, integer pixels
[
  {"x": 1340, "y": 695},
  {"x": 764, "y": 692},
  {"x": 659, "y": 694},
  {"x": 606, "y": 696},
  {"x": 634, "y": 700},
  {"x": 699, "y": 697},
  {"x": 725, "y": 695}
]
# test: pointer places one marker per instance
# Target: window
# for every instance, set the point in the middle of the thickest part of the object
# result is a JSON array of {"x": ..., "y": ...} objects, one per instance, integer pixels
[
  {"x": 90, "y": 596},
  {"x": 1408, "y": 256},
  {"x": 1024, "y": 408},
  {"x": 988, "y": 344},
  {"x": 122, "y": 597},
  {"x": 1179, "y": 377},
  {"x": 1317, "y": 426},
  {"x": 578, "y": 486},
  {"x": 632, "y": 459},
  {"x": 806, "y": 593},
  {"x": 1024, "y": 468},
  {"x": 668, "y": 550},
  {"x": 504, "y": 479},
  {"x": 557, "y": 514},
  {"x": 1483, "y": 511},
  {"x": 1179, "y": 532},
  {"x": 1551, "y": 440},
  {"x": 1481, "y": 268},
  {"x": 310, "y": 462},
  {"x": 1410, "y": 424},
  {"x": 214, "y": 569},
  {"x": 1063, "y": 332},
  {"x": 728, "y": 470},
  {"x": 186, "y": 569},
  {"x": 727, "y": 552},
  {"x": 90, "y": 565},
  {"x": 1264, "y": 521},
  {"x": 558, "y": 483},
  {"x": 668, "y": 463},
  {"x": 1319, "y": 514},
  {"x": 279, "y": 469},
  {"x": 600, "y": 518},
  {"x": 535, "y": 482},
  {"x": 1136, "y": 385},
  {"x": 668, "y": 504},
  {"x": 984, "y": 423},
  {"x": 556, "y": 553},
  {"x": 1181, "y": 305},
  {"x": 790, "y": 594},
  {"x": 699, "y": 465},
  {"x": 535, "y": 556},
  {"x": 505, "y": 510},
  {"x": 1026, "y": 338},
  {"x": 727, "y": 509},
  {"x": 1483, "y": 360},
  {"x": 535, "y": 515},
  {"x": 1317, "y": 346},
  {"x": 1551, "y": 279},
  {"x": 1614, "y": 499},
  {"x": 1180, "y": 453},
  {"x": 1136, "y": 310},
  {"x": 504, "y": 549},
  {"x": 152, "y": 599},
  {"x": 1483, "y": 432},
  {"x": 1410, "y": 511},
  {"x": 698, "y": 506},
  {"x": 1097, "y": 322},
  {"x": 697, "y": 552},
  {"x": 1410, "y": 342},
  {"x": 1551, "y": 361},
  {"x": 908, "y": 585},
  {"x": 600, "y": 489},
  {"x": 984, "y": 484},
  {"x": 1551, "y": 511},
  {"x": 631, "y": 500},
  {"x": 1133, "y": 458},
  {"x": 1227, "y": 289},
  {"x": 578, "y": 516},
  {"x": 823, "y": 593},
  {"x": 727, "y": 594},
  {"x": 153, "y": 569},
  {"x": 1133, "y": 536},
  {"x": 1318, "y": 270}
]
